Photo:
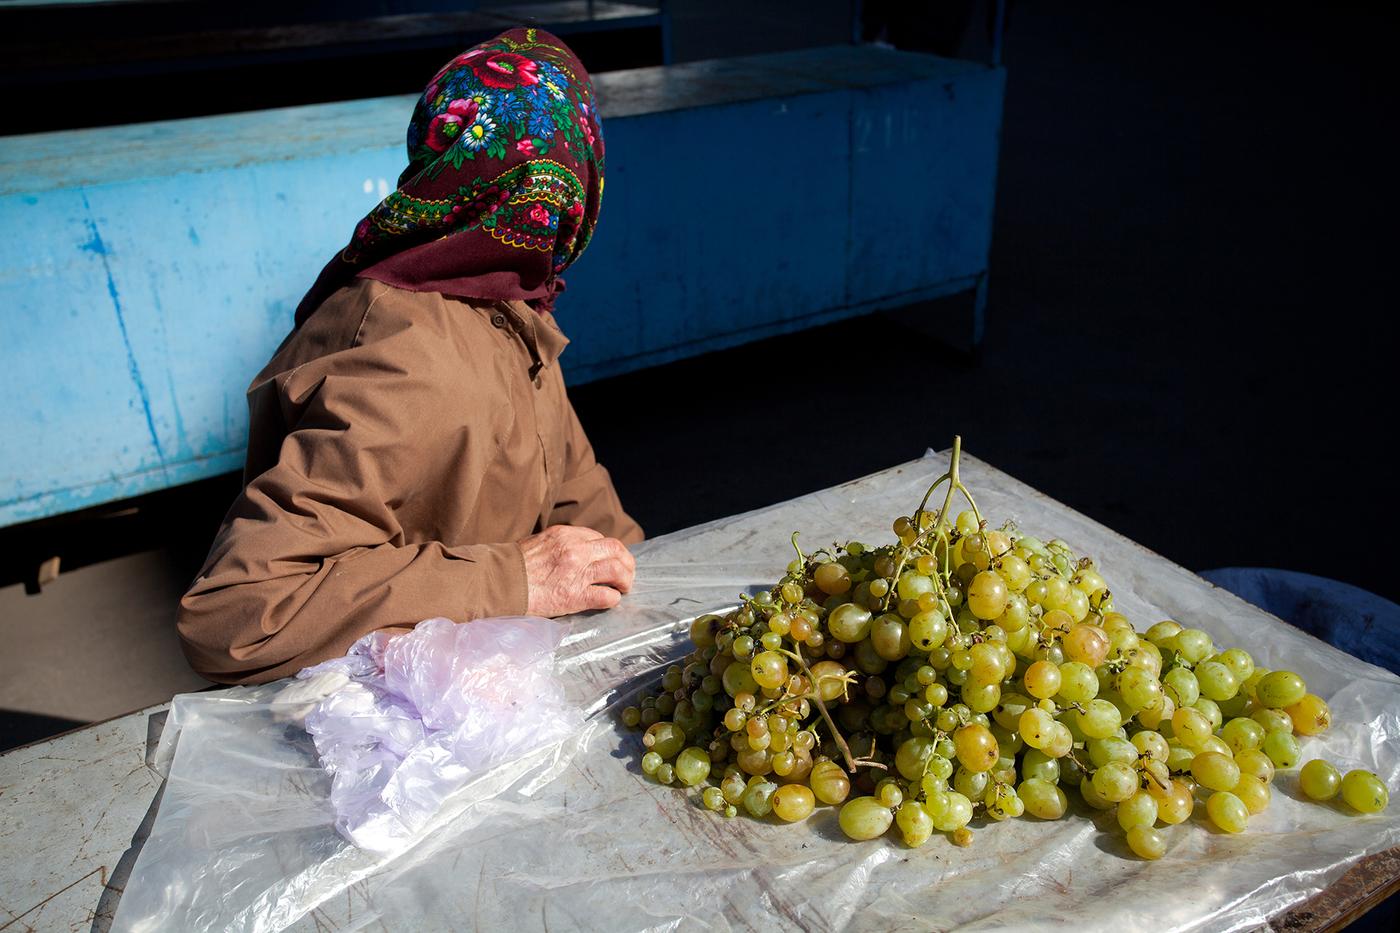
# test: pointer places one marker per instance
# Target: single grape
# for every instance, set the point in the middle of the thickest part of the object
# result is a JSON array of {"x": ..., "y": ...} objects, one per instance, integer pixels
[
  {"x": 987, "y": 595},
  {"x": 1282, "y": 750},
  {"x": 1182, "y": 686},
  {"x": 692, "y": 766},
  {"x": 1115, "y": 782},
  {"x": 650, "y": 762},
  {"x": 1042, "y": 680},
  {"x": 1215, "y": 771},
  {"x": 703, "y": 630},
  {"x": 1227, "y": 811},
  {"x": 829, "y": 782},
  {"x": 733, "y": 786},
  {"x": 769, "y": 669},
  {"x": 713, "y": 799},
  {"x": 1138, "y": 810},
  {"x": 1241, "y": 733},
  {"x": 1254, "y": 793},
  {"x": 1043, "y": 799},
  {"x": 1319, "y": 779},
  {"x": 1061, "y": 741},
  {"x": 1191, "y": 726},
  {"x": 1078, "y": 683},
  {"x": 1139, "y": 688},
  {"x": 1100, "y": 718},
  {"x": 1311, "y": 715},
  {"x": 928, "y": 629},
  {"x": 1365, "y": 792},
  {"x": 1151, "y": 744},
  {"x": 915, "y": 824},
  {"x": 889, "y": 636},
  {"x": 793, "y": 802},
  {"x": 664, "y": 738},
  {"x": 1111, "y": 748},
  {"x": 971, "y": 784},
  {"x": 849, "y": 622},
  {"x": 1146, "y": 842},
  {"x": 1273, "y": 720},
  {"x": 1217, "y": 681},
  {"x": 1215, "y": 743},
  {"x": 666, "y": 773},
  {"x": 865, "y": 818},
  {"x": 832, "y": 578},
  {"x": 1254, "y": 761},
  {"x": 1087, "y": 644},
  {"x": 955, "y": 813},
  {"x": 1280, "y": 689},
  {"x": 758, "y": 798},
  {"x": 1193, "y": 645},
  {"x": 1161, "y": 631},
  {"x": 976, "y": 748},
  {"x": 1211, "y": 710},
  {"x": 1175, "y": 805},
  {"x": 737, "y": 679}
]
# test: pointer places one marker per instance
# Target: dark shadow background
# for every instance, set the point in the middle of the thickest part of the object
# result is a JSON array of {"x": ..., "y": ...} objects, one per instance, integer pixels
[{"x": 1189, "y": 330}]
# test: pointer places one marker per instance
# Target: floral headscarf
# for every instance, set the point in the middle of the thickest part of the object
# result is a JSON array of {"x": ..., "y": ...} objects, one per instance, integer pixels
[{"x": 504, "y": 179}]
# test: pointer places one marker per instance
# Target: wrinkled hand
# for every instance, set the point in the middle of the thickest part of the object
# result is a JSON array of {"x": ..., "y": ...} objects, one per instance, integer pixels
[{"x": 569, "y": 569}]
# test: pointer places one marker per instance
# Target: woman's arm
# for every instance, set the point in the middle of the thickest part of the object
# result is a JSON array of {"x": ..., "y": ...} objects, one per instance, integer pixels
[{"x": 312, "y": 556}]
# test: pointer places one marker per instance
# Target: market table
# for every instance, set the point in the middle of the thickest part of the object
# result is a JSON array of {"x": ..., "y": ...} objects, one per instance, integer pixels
[{"x": 75, "y": 811}]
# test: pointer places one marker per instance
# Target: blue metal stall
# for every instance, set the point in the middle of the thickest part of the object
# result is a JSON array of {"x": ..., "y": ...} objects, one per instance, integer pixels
[{"x": 148, "y": 271}]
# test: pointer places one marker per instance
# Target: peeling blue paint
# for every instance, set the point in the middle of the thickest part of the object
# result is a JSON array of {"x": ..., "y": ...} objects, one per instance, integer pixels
[
  {"x": 95, "y": 245},
  {"x": 100, "y": 248}
]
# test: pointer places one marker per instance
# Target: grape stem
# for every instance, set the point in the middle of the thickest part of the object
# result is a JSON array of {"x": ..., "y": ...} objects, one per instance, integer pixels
[
  {"x": 852, "y": 762},
  {"x": 936, "y": 529}
]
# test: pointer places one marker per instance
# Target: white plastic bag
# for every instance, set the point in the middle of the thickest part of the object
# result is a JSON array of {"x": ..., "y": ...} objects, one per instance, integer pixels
[{"x": 417, "y": 715}]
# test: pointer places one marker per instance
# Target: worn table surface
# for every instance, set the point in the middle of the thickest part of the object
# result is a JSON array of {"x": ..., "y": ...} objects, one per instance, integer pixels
[
  {"x": 74, "y": 810},
  {"x": 69, "y": 808}
]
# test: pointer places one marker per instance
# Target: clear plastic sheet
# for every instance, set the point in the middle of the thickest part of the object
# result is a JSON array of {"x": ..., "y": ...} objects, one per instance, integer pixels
[{"x": 574, "y": 837}]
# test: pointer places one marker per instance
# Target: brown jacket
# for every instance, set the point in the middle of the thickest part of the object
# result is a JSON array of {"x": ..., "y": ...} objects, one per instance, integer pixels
[{"x": 400, "y": 444}]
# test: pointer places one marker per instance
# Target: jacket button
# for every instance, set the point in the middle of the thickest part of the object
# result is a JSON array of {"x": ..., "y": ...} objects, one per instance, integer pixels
[{"x": 498, "y": 319}]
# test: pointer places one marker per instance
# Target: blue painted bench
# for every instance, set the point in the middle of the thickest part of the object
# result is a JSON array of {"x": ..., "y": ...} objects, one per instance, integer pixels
[{"x": 147, "y": 271}]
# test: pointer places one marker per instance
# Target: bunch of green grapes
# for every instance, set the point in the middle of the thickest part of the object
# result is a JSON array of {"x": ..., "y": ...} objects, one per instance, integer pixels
[{"x": 964, "y": 671}]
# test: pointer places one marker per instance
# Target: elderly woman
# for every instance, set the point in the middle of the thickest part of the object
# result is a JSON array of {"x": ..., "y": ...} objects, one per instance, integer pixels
[{"x": 412, "y": 452}]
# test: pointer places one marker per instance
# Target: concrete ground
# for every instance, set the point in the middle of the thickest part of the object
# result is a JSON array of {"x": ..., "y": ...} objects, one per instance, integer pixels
[{"x": 1186, "y": 341}]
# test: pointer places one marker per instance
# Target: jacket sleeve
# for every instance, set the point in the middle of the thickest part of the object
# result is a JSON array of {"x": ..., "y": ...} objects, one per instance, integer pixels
[
  {"x": 311, "y": 556},
  {"x": 586, "y": 497}
]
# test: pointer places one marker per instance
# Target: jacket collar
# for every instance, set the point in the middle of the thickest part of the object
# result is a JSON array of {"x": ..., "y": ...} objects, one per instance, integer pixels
[{"x": 542, "y": 337}]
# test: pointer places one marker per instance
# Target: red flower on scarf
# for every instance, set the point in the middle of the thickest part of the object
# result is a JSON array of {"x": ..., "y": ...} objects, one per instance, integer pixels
[
  {"x": 505, "y": 69},
  {"x": 526, "y": 146},
  {"x": 539, "y": 215},
  {"x": 443, "y": 131},
  {"x": 466, "y": 108}
]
